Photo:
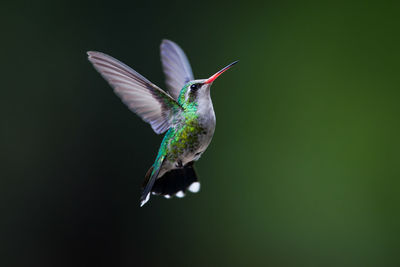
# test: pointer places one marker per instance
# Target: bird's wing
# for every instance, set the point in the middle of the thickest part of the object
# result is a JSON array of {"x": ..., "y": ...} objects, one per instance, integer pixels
[
  {"x": 141, "y": 96},
  {"x": 176, "y": 67}
]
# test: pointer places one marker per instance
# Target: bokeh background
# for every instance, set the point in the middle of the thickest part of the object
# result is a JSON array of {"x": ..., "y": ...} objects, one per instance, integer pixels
[{"x": 303, "y": 169}]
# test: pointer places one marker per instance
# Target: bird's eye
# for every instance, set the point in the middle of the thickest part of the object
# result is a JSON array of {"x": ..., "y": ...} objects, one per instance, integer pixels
[{"x": 196, "y": 86}]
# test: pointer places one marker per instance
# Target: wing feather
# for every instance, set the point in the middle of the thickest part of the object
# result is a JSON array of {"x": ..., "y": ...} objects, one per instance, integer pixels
[
  {"x": 176, "y": 67},
  {"x": 141, "y": 96}
]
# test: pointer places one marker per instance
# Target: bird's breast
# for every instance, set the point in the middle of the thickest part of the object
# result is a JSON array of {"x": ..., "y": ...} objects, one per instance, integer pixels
[{"x": 191, "y": 136}]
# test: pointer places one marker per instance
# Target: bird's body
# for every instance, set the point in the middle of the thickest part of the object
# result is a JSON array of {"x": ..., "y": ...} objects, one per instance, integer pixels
[
  {"x": 189, "y": 135},
  {"x": 186, "y": 115}
]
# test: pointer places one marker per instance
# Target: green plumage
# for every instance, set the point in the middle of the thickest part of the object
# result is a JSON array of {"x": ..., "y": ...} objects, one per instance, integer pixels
[{"x": 184, "y": 136}]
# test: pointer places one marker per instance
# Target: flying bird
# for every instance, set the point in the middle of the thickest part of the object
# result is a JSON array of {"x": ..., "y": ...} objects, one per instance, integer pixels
[{"x": 185, "y": 114}]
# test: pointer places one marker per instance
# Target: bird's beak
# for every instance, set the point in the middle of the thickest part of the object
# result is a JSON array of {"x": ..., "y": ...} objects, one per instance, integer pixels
[{"x": 216, "y": 75}]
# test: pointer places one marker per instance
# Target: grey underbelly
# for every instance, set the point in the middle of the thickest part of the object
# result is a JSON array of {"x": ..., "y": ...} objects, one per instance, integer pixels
[{"x": 188, "y": 155}]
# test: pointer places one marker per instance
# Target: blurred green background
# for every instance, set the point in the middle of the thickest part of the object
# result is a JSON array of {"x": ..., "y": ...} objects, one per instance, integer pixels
[{"x": 303, "y": 169}]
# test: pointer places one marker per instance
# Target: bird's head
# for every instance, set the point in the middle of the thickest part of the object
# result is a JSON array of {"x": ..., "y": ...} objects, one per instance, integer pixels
[{"x": 197, "y": 89}]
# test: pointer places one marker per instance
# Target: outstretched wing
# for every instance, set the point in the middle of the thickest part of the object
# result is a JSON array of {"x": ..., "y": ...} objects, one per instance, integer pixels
[
  {"x": 176, "y": 67},
  {"x": 147, "y": 100}
]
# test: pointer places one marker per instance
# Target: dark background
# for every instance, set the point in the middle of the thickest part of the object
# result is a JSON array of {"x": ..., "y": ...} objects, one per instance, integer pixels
[{"x": 303, "y": 169}]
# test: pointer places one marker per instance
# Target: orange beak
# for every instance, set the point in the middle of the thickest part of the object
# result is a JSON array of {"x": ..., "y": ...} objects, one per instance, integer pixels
[{"x": 216, "y": 75}]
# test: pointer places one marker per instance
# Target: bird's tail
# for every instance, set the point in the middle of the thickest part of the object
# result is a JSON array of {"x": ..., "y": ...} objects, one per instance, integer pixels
[
  {"x": 150, "y": 178},
  {"x": 173, "y": 183}
]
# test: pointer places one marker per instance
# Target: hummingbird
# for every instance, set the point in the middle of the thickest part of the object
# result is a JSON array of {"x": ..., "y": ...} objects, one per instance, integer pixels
[{"x": 185, "y": 114}]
